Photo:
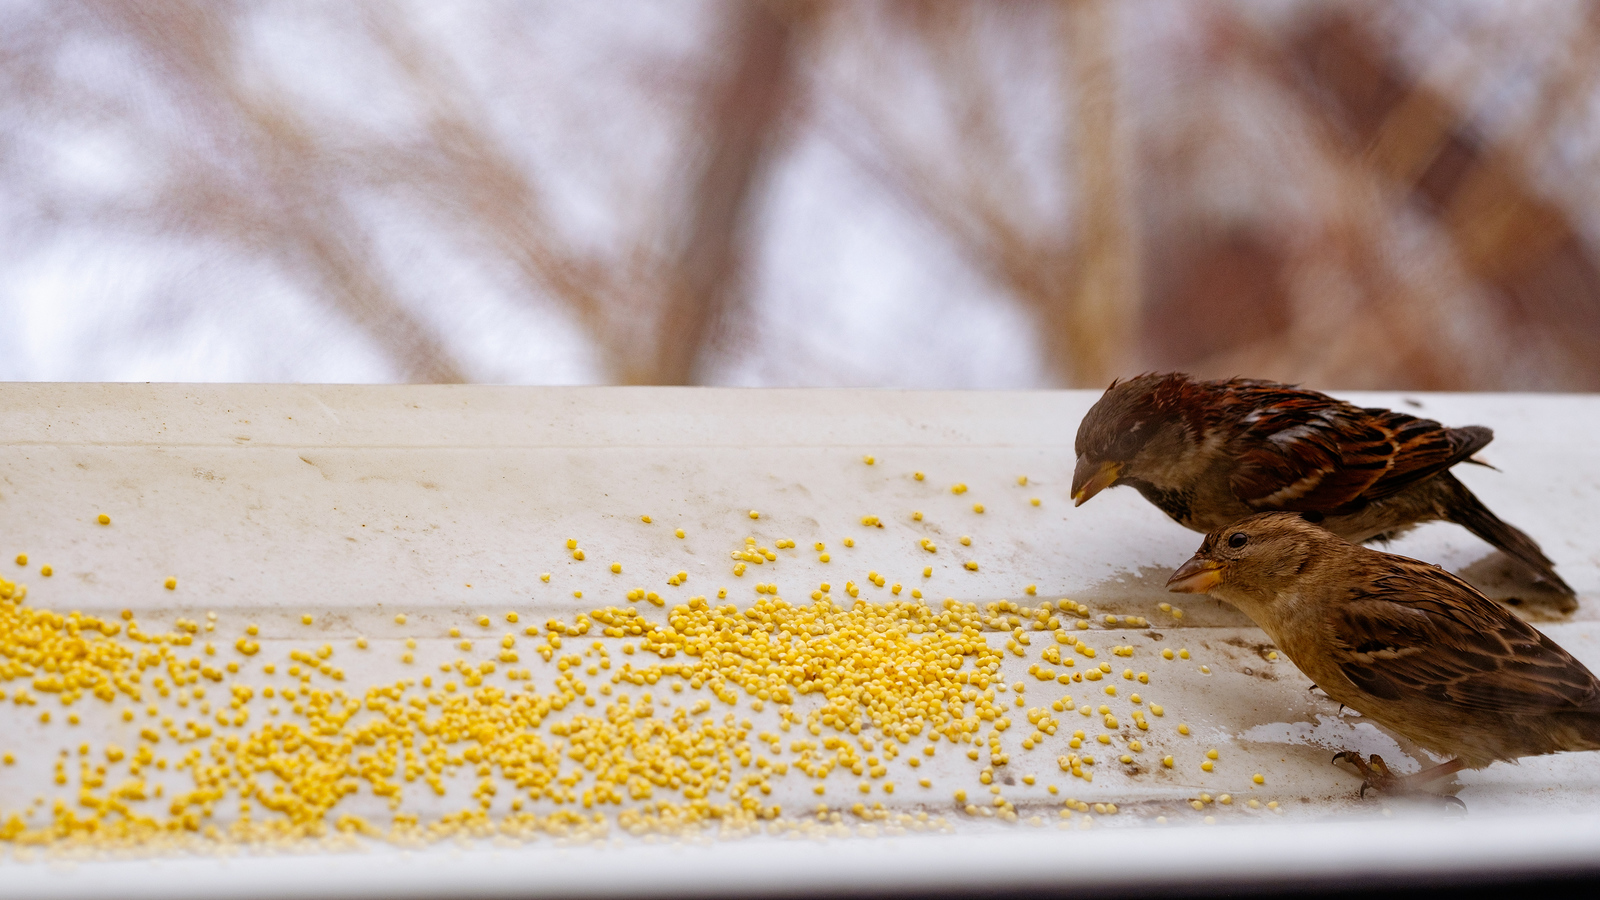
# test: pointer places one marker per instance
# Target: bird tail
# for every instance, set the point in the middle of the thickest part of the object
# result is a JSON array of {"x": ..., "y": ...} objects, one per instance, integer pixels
[{"x": 1466, "y": 510}]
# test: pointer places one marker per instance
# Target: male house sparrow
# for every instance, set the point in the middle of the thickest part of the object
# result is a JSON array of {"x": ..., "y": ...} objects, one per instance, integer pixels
[
  {"x": 1211, "y": 452},
  {"x": 1404, "y": 643}
]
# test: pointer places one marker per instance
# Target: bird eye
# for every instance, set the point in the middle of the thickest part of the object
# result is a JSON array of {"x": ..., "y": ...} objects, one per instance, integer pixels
[{"x": 1238, "y": 539}]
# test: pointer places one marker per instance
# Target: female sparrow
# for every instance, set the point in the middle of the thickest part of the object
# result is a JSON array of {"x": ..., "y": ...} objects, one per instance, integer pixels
[
  {"x": 1211, "y": 452},
  {"x": 1404, "y": 643}
]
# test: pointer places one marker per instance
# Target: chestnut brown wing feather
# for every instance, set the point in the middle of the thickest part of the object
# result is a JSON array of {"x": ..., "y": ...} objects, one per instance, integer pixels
[
  {"x": 1416, "y": 632},
  {"x": 1302, "y": 451}
]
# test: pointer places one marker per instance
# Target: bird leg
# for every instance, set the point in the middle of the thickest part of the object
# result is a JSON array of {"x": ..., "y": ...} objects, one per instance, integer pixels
[
  {"x": 1375, "y": 774},
  {"x": 1442, "y": 770}
]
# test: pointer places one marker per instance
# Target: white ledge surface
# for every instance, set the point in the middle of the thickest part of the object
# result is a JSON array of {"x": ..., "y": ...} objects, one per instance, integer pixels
[{"x": 355, "y": 503}]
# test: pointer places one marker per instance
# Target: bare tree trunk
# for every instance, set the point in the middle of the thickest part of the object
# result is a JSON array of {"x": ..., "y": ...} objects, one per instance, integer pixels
[
  {"x": 1100, "y": 321},
  {"x": 742, "y": 111}
]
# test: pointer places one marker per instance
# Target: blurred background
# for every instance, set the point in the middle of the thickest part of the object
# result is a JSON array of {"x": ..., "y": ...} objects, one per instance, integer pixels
[{"x": 802, "y": 192}]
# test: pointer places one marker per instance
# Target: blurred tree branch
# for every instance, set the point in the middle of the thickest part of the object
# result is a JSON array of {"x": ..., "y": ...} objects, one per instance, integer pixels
[
  {"x": 282, "y": 202},
  {"x": 1393, "y": 329},
  {"x": 465, "y": 171},
  {"x": 979, "y": 204},
  {"x": 1517, "y": 242},
  {"x": 1393, "y": 242}
]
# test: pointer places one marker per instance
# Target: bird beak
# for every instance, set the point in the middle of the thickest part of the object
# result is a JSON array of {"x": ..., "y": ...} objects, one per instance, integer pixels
[
  {"x": 1089, "y": 479},
  {"x": 1197, "y": 576}
]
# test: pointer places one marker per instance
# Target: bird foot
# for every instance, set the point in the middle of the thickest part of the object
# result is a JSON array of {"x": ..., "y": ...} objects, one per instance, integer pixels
[
  {"x": 1373, "y": 771},
  {"x": 1375, "y": 774}
]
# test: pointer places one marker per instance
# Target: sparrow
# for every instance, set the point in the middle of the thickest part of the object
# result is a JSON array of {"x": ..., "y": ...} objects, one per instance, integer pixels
[
  {"x": 1212, "y": 452},
  {"x": 1406, "y": 644}
]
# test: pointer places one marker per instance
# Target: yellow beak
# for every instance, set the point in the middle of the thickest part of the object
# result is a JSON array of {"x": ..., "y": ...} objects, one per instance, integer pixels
[
  {"x": 1197, "y": 576},
  {"x": 1089, "y": 479}
]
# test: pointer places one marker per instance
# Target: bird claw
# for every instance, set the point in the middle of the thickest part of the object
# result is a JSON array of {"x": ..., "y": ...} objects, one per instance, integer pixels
[
  {"x": 1375, "y": 774},
  {"x": 1373, "y": 771}
]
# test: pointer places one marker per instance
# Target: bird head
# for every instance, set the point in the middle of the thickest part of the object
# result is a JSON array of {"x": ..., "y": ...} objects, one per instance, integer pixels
[
  {"x": 1136, "y": 427},
  {"x": 1255, "y": 559}
]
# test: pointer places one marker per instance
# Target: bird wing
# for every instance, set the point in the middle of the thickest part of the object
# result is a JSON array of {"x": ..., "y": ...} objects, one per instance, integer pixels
[
  {"x": 1416, "y": 631},
  {"x": 1302, "y": 451}
]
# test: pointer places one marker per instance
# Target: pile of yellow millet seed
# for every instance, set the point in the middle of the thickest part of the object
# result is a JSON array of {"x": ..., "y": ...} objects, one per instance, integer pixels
[{"x": 631, "y": 717}]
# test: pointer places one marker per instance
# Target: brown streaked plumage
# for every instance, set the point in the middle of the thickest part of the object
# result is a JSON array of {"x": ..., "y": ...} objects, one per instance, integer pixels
[
  {"x": 1211, "y": 452},
  {"x": 1404, "y": 643}
]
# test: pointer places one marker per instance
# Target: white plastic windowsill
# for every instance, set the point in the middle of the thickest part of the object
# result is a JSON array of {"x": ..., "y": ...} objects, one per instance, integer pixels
[{"x": 354, "y": 503}]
